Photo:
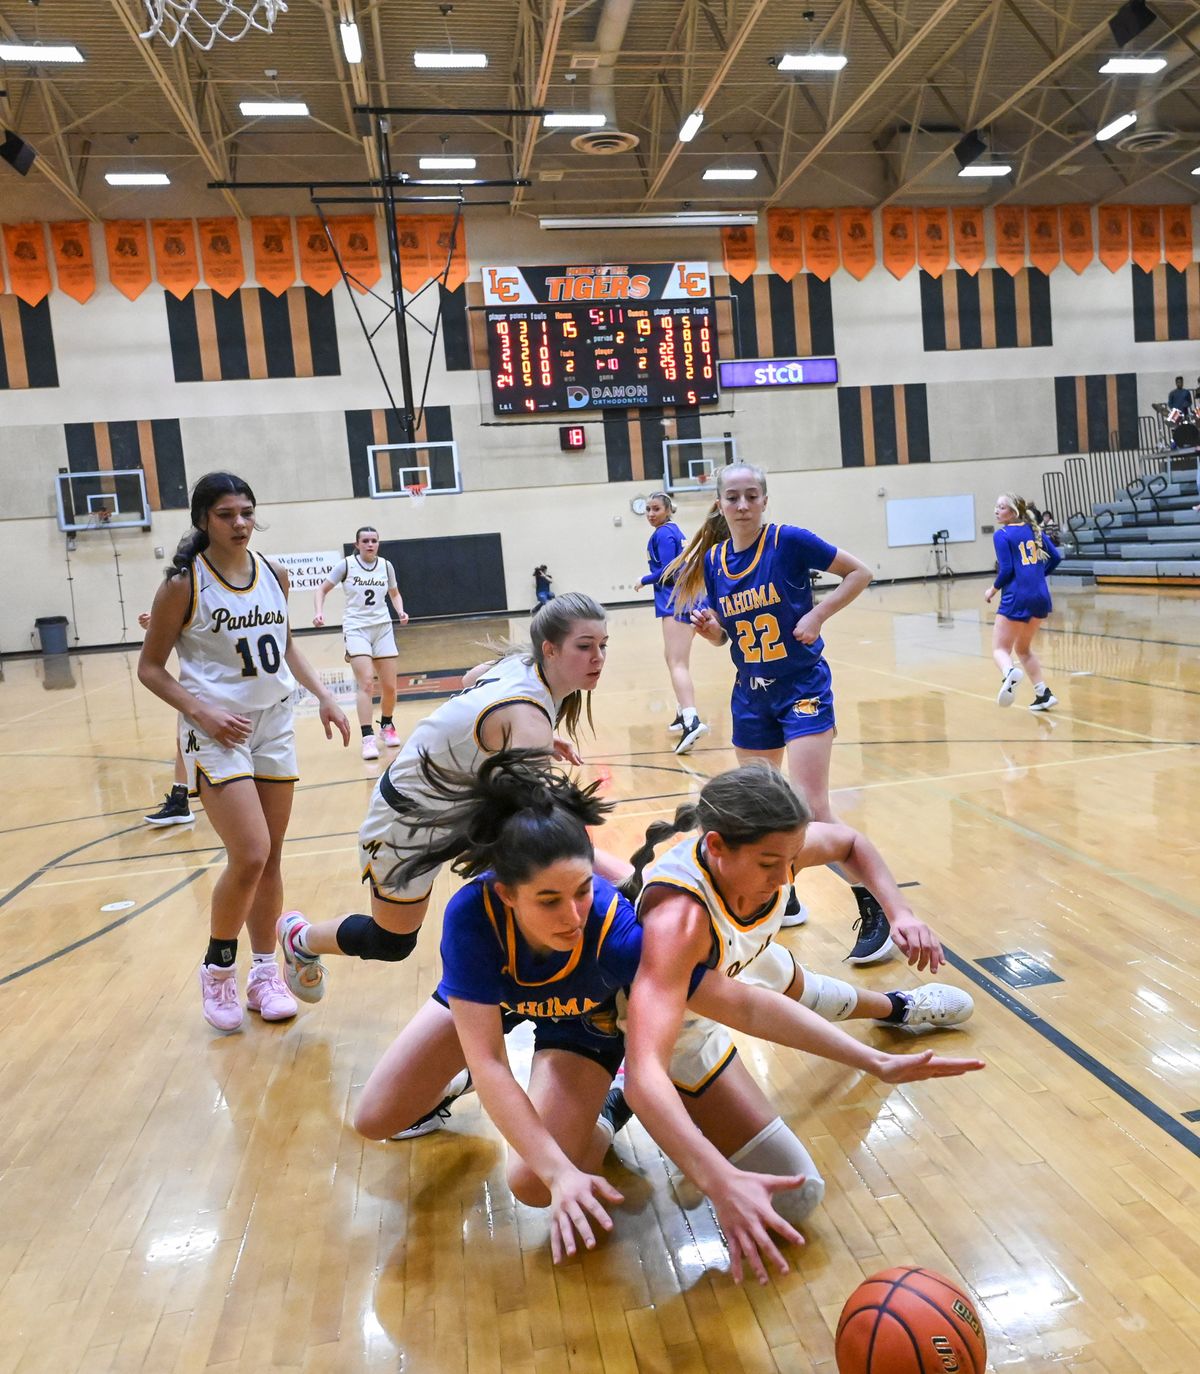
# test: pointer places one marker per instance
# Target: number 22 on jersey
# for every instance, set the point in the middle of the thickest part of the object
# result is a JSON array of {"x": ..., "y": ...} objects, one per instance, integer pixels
[{"x": 758, "y": 640}]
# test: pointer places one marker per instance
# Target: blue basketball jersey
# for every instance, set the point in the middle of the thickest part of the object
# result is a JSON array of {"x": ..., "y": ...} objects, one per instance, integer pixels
[
  {"x": 760, "y": 594},
  {"x": 1022, "y": 565},
  {"x": 486, "y": 959}
]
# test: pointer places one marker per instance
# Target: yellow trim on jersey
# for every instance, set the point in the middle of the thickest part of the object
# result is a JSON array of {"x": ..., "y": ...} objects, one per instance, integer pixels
[
  {"x": 496, "y": 705},
  {"x": 678, "y": 885},
  {"x": 695, "y": 1089},
  {"x": 215, "y": 782},
  {"x": 762, "y": 544},
  {"x": 510, "y": 939},
  {"x": 241, "y": 591},
  {"x": 491, "y": 915},
  {"x": 195, "y": 598},
  {"x": 609, "y": 917},
  {"x": 263, "y": 777},
  {"x": 740, "y": 922},
  {"x": 368, "y": 876}
]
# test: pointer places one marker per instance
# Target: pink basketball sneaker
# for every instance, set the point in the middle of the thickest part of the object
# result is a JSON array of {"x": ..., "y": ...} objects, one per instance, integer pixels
[
  {"x": 267, "y": 994},
  {"x": 219, "y": 993}
]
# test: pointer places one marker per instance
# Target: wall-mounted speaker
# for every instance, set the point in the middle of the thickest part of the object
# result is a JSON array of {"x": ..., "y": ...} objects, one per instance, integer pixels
[{"x": 16, "y": 152}]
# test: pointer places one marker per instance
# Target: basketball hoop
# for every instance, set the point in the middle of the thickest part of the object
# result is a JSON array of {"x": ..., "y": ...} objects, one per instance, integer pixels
[
  {"x": 417, "y": 493},
  {"x": 174, "y": 18}
]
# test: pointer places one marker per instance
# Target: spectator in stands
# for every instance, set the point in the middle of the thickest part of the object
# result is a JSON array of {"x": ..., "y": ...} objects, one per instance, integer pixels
[
  {"x": 1050, "y": 527},
  {"x": 1180, "y": 398}
]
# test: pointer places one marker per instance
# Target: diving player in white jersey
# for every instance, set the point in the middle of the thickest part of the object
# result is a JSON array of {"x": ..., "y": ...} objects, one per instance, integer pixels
[
  {"x": 224, "y": 611},
  {"x": 369, "y": 583},
  {"x": 516, "y": 701}
]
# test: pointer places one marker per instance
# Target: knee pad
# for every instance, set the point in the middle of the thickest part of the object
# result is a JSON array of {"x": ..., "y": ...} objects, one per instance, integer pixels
[
  {"x": 362, "y": 936},
  {"x": 776, "y": 1149},
  {"x": 828, "y": 997}
]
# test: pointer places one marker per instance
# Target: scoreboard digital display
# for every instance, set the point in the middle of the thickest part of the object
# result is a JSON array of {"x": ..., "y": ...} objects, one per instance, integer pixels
[{"x": 584, "y": 338}]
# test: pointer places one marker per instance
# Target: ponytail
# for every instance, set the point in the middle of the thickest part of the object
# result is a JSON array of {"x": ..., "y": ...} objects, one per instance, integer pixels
[
  {"x": 685, "y": 574},
  {"x": 205, "y": 494},
  {"x": 685, "y": 819},
  {"x": 1027, "y": 515},
  {"x": 193, "y": 543}
]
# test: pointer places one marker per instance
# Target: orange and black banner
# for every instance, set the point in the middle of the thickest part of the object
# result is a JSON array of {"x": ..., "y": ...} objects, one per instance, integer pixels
[
  {"x": 1166, "y": 303},
  {"x": 26, "y": 345},
  {"x": 633, "y": 442},
  {"x": 989, "y": 310},
  {"x": 773, "y": 318},
  {"x": 883, "y": 425},
  {"x": 1092, "y": 412},
  {"x": 367, "y": 428},
  {"x": 464, "y": 337},
  {"x": 155, "y": 446},
  {"x": 252, "y": 334}
]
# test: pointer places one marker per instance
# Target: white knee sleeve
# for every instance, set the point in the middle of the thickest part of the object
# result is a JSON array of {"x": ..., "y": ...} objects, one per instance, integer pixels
[
  {"x": 828, "y": 997},
  {"x": 776, "y": 1149}
]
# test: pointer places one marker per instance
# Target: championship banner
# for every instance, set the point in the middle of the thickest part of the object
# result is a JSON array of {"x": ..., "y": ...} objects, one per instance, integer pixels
[
  {"x": 28, "y": 268},
  {"x": 1076, "y": 226},
  {"x": 175, "y": 255},
  {"x": 785, "y": 237},
  {"x": 1177, "y": 235},
  {"x": 933, "y": 240},
  {"x": 415, "y": 237},
  {"x": 128, "y": 252},
  {"x": 448, "y": 249},
  {"x": 71, "y": 243},
  {"x": 1010, "y": 237},
  {"x": 274, "y": 253},
  {"x": 306, "y": 571},
  {"x": 1146, "y": 233},
  {"x": 318, "y": 266},
  {"x": 221, "y": 253},
  {"x": 1044, "y": 251},
  {"x": 856, "y": 229},
  {"x": 970, "y": 249},
  {"x": 899, "y": 240},
  {"x": 358, "y": 249},
  {"x": 740, "y": 250},
  {"x": 1114, "y": 236},
  {"x": 642, "y": 281},
  {"x": 820, "y": 242}
]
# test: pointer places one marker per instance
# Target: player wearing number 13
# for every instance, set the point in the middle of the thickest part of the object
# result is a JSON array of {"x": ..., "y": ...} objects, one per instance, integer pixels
[
  {"x": 224, "y": 610},
  {"x": 1025, "y": 556}
]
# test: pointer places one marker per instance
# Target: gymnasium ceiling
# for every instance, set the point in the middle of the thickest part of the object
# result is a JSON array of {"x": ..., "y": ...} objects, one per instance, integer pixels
[{"x": 919, "y": 74}]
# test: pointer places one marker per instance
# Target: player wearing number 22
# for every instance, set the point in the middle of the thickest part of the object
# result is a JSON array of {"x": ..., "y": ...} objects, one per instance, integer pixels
[{"x": 224, "y": 610}]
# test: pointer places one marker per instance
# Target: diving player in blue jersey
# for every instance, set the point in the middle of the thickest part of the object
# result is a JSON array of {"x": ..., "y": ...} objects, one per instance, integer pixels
[
  {"x": 664, "y": 547},
  {"x": 1025, "y": 557},
  {"x": 757, "y": 580},
  {"x": 535, "y": 936}
]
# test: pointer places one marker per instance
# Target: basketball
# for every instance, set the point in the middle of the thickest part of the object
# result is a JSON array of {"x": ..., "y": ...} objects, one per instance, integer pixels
[{"x": 909, "y": 1321}]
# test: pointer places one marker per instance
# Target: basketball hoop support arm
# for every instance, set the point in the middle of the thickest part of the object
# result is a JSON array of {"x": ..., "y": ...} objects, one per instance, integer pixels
[{"x": 408, "y": 415}]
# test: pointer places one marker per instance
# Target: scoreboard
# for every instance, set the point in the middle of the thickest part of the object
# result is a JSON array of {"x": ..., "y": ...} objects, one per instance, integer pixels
[{"x": 603, "y": 336}]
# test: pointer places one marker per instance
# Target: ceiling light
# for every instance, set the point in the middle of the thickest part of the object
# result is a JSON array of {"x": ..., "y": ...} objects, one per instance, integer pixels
[
  {"x": 450, "y": 59},
  {"x": 691, "y": 126},
  {"x": 986, "y": 169},
  {"x": 1121, "y": 122},
  {"x": 567, "y": 120},
  {"x": 1133, "y": 65},
  {"x": 729, "y": 174},
  {"x": 39, "y": 52},
  {"x": 449, "y": 181},
  {"x": 1196, "y": 171},
  {"x": 812, "y": 62},
  {"x": 445, "y": 164},
  {"x": 351, "y": 42},
  {"x": 273, "y": 107},
  {"x": 137, "y": 178},
  {"x": 1132, "y": 18},
  {"x": 682, "y": 220}
]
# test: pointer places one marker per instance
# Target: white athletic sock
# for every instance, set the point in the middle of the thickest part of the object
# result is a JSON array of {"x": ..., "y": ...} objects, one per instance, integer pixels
[
  {"x": 264, "y": 958},
  {"x": 689, "y": 714},
  {"x": 1039, "y": 687}
]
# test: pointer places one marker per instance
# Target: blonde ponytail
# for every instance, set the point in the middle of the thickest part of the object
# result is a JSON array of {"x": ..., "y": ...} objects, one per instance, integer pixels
[{"x": 685, "y": 574}]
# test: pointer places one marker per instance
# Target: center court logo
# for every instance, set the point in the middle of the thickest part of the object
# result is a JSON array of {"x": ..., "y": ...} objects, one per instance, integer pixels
[{"x": 807, "y": 706}]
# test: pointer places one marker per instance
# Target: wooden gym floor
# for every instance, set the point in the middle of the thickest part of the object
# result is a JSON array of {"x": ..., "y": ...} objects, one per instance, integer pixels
[{"x": 174, "y": 1200}]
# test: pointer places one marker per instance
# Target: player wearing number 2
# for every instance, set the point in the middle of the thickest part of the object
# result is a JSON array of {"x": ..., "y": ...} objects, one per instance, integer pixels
[
  {"x": 1025, "y": 556},
  {"x": 756, "y": 578},
  {"x": 224, "y": 610}
]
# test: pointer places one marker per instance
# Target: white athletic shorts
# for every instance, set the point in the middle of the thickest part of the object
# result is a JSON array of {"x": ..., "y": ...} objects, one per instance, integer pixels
[
  {"x": 376, "y": 641},
  {"x": 268, "y": 755},
  {"x": 383, "y": 842},
  {"x": 705, "y": 1047}
]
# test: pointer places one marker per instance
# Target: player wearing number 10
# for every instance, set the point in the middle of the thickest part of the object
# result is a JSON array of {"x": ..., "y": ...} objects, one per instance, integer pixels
[{"x": 224, "y": 611}]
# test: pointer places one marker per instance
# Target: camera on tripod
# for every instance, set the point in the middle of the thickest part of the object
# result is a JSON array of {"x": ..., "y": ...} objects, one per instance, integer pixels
[{"x": 940, "y": 537}]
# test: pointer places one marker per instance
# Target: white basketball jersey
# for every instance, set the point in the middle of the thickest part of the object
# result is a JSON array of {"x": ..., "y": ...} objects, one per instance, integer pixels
[
  {"x": 232, "y": 644},
  {"x": 736, "y": 942},
  {"x": 450, "y": 736},
  {"x": 366, "y": 587}
]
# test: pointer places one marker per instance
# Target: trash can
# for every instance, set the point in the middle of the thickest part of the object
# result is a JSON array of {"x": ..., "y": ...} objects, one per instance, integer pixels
[{"x": 52, "y": 631}]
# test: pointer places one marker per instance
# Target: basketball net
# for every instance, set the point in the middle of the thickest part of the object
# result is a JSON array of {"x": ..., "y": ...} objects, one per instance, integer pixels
[
  {"x": 174, "y": 18},
  {"x": 417, "y": 494}
]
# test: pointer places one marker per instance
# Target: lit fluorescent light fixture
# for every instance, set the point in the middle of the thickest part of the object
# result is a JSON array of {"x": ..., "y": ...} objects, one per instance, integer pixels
[
  {"x": 1196, "y": 171},
  {"x": 684, "y": 219},
  {"x": 445, "y": 164},
  {"x": 450, "y": 59},
  {"x": 729, "y": 174},
  {"x": 268, "y": 108},
  {"x": 691, "y": 126},
  {"x": 569, "y": 120},
  {"x": 1143, "y": 66},
  {"x": 137, "y": 178},
  {"x": 351, "y": 42},
  {"x": 811, "y": 62},
  {"x": 40, "y": 52},
  {"x": 986, "y": 169},
  {"x": 1111, "y": 130}
]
